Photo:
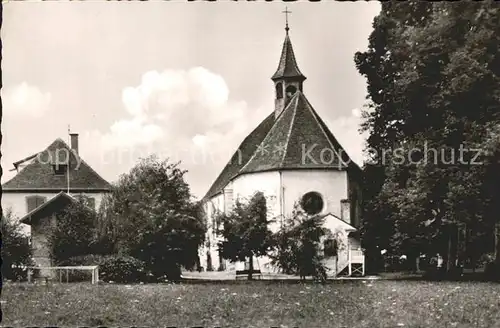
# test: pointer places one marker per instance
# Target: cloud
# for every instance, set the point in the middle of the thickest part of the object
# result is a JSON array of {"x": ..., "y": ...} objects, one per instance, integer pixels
[
  {"x": 356, "y": 112},
  {"x": 164, "y": 93},
  {"x": 24, "y": 100},
  {"x": 186, "y": 115},
  {"x": 130, "y": 133}
]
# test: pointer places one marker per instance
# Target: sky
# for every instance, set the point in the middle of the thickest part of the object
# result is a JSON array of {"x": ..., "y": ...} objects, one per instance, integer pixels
[{"x": 184, "y": 81}]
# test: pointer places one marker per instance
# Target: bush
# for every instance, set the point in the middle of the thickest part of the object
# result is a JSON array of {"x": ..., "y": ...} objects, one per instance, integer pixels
[
  {"x": 297, "y": 246},
  {"x": 15, "y": 248},
  {"x": 79, "y": 275},
  {"x": 83, "y": 260},
  {"x": 492, "y": 272},
  {"x": 485, "y": 259},
  {"x": 116, "y": 268},
  {"x": 74, "y": 233},
  {"x": 122, "y": 269}
]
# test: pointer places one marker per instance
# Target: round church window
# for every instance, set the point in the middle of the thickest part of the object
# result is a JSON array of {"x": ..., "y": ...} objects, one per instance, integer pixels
[{"x": 312, "y": 203}]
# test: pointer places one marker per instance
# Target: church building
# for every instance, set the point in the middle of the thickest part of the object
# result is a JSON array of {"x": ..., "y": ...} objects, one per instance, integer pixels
[{"x": 294, "y": 160}]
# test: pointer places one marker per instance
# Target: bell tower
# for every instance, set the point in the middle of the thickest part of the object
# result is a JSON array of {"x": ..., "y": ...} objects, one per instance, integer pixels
[{"x": 288, "y": 79}]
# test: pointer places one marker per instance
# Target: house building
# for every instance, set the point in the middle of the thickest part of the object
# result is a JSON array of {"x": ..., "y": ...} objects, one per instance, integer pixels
[
  {"x": 294, "y": 160},
  {"x": 45, "y": 183}
]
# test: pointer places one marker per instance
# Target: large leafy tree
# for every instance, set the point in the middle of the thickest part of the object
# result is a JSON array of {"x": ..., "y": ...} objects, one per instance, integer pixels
[
  {"x": 245, "y": 231},
  {"x": 74, "y": 233},
  {"x": 298, "y": 249},
  {"x": 384, "y": 121},
  {"x": 16, "y": 250},
  {"x": 152, "y": 216},
  {"x": 433, "y": 81}
]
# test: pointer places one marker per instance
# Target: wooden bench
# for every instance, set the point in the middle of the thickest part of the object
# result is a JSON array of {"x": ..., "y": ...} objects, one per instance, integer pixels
[{"x": 243, "y": 274}]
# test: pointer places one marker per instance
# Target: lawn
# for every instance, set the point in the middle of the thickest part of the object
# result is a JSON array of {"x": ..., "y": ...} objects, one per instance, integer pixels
[{"x": 378, "y": 303}]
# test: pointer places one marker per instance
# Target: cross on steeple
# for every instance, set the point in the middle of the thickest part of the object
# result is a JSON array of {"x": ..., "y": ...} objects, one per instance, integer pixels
[{"x": 286, "y": 12}]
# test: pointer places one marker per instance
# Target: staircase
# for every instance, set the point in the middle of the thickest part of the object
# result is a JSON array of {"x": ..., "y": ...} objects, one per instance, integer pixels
[{"x": 354, "y": 265}]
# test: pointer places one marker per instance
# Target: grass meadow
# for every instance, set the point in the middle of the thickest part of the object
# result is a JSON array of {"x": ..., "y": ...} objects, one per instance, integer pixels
[{"x": 377, "y": 303}]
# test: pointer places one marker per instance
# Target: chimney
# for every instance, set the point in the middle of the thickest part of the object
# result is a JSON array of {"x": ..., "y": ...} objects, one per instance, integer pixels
[{"x": 74, "y": 142}]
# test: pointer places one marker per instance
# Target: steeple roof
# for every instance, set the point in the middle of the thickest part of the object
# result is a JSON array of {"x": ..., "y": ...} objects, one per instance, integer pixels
[
  {"x": 297, "y": 139},
  {"x": 288, "y": 67}
]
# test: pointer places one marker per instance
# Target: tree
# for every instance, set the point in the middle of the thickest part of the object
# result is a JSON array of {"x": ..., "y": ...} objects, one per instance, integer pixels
[
  {"x": 152, "y": 216},
  {"x": 245, "y": 231},
  {"x": 16, "y": 250},
  {"x": 433, "y": 78},
  {"x": 298, "y": 245},
  {"x": 74, "y": 233}
]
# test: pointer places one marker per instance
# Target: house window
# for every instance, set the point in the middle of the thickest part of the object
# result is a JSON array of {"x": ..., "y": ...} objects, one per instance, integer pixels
[
  {"x": 279, "y": 90},
  {"x": 88, "y": 201},
  {"x": 330, "y": 247},
  {"x": 60, "y": 169},
  {"x": 91, "y": 202},
  {"x": 290, "y": 91},
  {"x": 312, "y": 203},
  {"x": 34, "y": 201}
]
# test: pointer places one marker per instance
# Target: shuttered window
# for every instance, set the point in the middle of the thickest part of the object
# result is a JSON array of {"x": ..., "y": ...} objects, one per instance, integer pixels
[
  {"x": 34, "y": 201},
  {"x": 228, "y": 200},
  {"x": 91, "y": 202},
  {"x": 88, "y": 201}
]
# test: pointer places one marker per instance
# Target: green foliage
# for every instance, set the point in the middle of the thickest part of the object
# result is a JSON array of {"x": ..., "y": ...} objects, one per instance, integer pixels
[
  {"x": 16, "y": 250},
  {"x": 151, "y": 216},
  {"x": 298, "y": 245},
  {"x": 74, "y": 232},
  {"x": 433, "y": 81},
  {"x": 245, "y": 231}
]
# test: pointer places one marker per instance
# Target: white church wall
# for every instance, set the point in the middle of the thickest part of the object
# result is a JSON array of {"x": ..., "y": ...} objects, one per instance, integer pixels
[
  {"x": 332, "y": 185},
  {"x": 245, "y": 186}
]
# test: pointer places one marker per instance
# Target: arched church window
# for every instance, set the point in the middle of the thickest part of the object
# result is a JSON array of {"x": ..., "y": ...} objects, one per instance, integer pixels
[
  {"x": 279, "y": 90},
  {"x": 312, "y": 203},
  {"x": 290, "y": 90}
]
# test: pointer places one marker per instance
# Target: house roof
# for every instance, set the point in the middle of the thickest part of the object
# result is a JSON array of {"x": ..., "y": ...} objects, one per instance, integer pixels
[
  {"x": 38, "y": 175},
  {"x": 24, "y": 160},
  {"x": 348, "y": 227},
  {"x": 51, "y": 206},
  {"x": 296, "y": 139},
  {"x": 287, "y": 67}
]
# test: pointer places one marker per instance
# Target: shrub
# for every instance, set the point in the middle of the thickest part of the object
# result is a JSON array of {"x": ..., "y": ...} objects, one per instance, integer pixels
[
  {"x": 297, "y": 245},
  {"x": 485, "y": 259},
  {"x": 116, "y": 268},
  {"x": 90, "y": 259},
  {"x": 74, "y": 233},
  {"x": 80, "y": 275},
  {"x": 16, "y": 251},
  {"x": 492, "y": 271},
  {"x": 122, "y": 269}
]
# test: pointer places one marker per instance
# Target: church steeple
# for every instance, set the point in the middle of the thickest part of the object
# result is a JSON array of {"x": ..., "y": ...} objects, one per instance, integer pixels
[{"x": 288, "y": 78}]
